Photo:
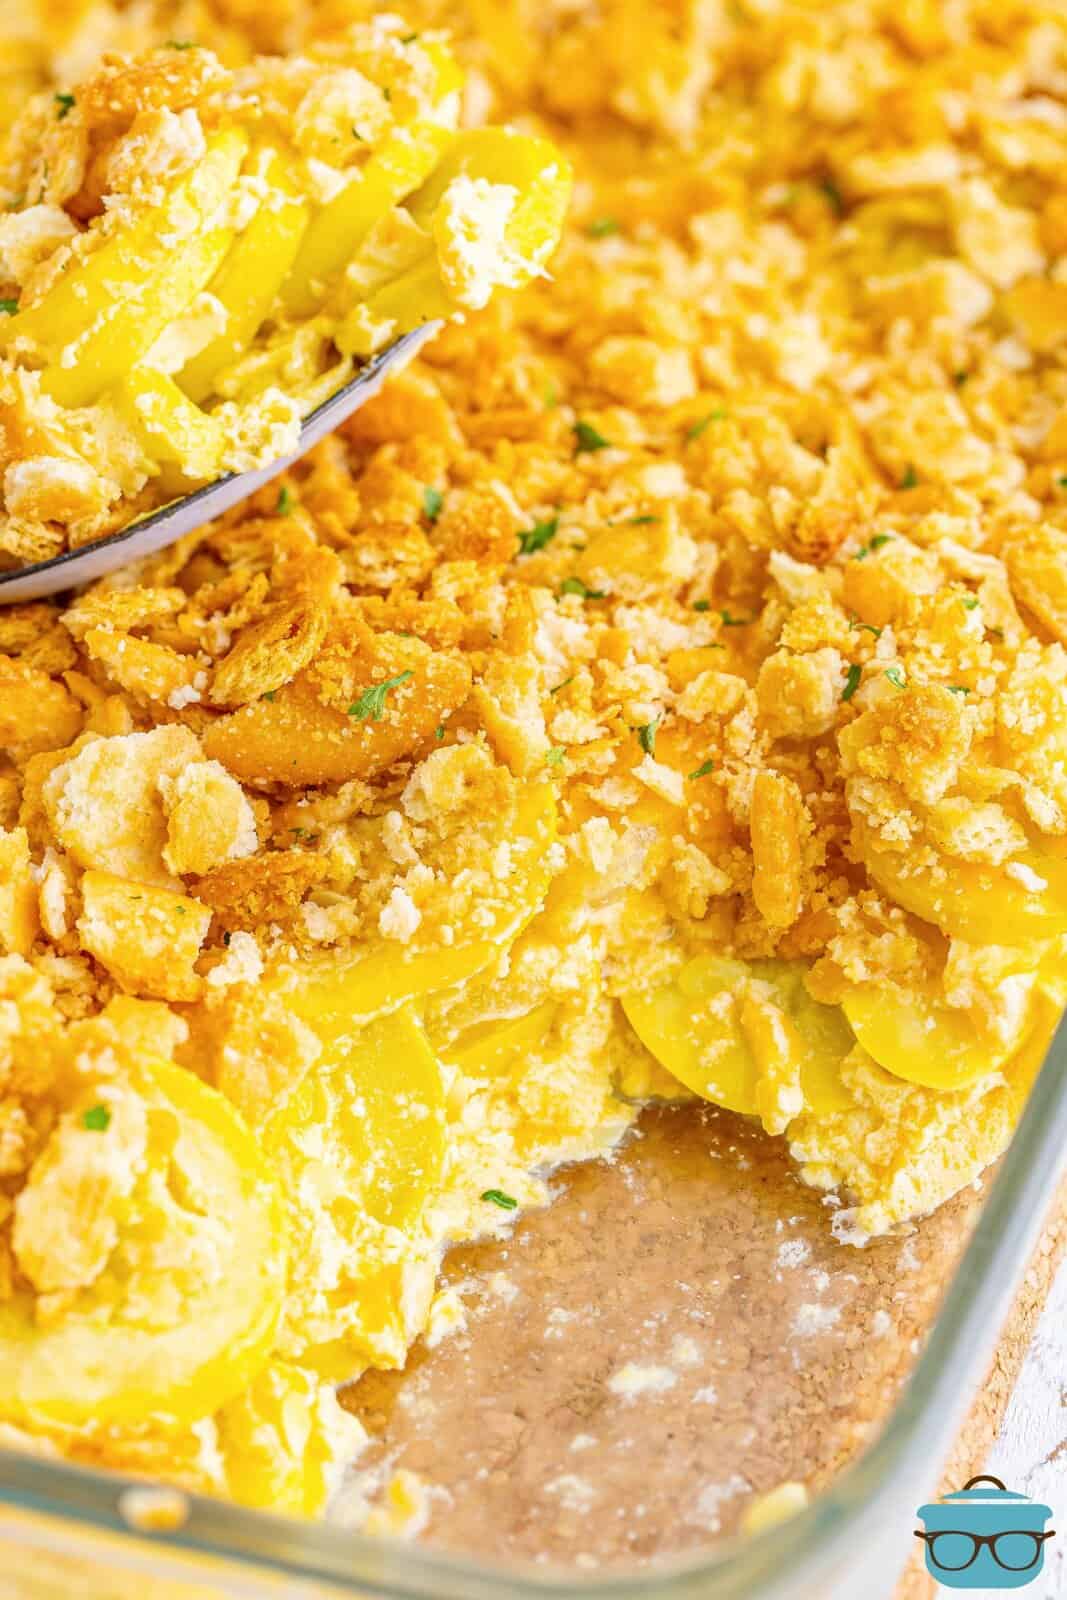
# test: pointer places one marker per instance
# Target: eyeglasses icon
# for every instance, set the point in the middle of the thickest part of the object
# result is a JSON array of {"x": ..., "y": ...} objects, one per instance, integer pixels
[{"x": 954, "y": 1551}]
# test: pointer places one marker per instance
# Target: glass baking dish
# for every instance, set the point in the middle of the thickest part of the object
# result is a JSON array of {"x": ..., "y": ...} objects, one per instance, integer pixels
[{"x": 78, "y": 1533}]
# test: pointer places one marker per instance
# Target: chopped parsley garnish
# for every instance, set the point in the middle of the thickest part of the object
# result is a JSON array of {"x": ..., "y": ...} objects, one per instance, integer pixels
[
  {"x": 1062, "y": 480},
  {"x": 960, "y": 378},
  {"x": 865, "y": 627},
  {"x": 179, "y": 44},
  {"x": 497, "y": 1197},
  {"x": 586, "y": 437},
  {"x": 284, "y": 503},
  {"x": 734, "y": 622},
  {"x": 555, "y": 755},
  {"x": 852, "y": 681},
  {"x": 833, "y": 194},
  {"x": 646, "y": 736},
  {"x": 601, "y": 227},
  {"x": 64, "y": 104},
  {"x": 409, "y": 38},
  {"x": 562, "y": 685},
  {"x": 701, "y": 605},
  {"x": 371, "y": 703},
  {"x": 873, "y": 544},
  {"x": 910, "y": 479},
  {"x": 535, "y": 538},
  {"x": 695, "y": 429},
  {"x": 96, "y": 1119},
  {"x": 971, "y": 603},
  {"x": 439, "y": 732},
  {"x": 268, "y": 694},
  {"x": 8, "y": 307},
  {"x": 958, "y": 688},
  {"x": 576, "y": 586},
  {"x": 702, "y": 771},
  {"x": 896, "y": 676},
  {"x": 432, "y": 501},
  {"x": 640, "y": 522}
]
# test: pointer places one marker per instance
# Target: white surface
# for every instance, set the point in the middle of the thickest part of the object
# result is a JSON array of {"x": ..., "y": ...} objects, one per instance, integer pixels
[{"x": 1030, "y": 1454}]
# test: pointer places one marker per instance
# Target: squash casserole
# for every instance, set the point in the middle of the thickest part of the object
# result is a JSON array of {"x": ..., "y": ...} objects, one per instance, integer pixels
[
  {"x": 193, "y": 258},
  {"x": 658, "y": 690}
]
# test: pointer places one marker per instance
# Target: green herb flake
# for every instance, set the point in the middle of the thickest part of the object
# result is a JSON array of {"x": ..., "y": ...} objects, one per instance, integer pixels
[
  {"x": 602, "y": 227},
  {"x": 695, "y": 429},
  {"x": 646, "y": 736},
  {"x": 563, "y": 685},
  {"x": 550, "y": 397},
  {"x": 1062, "y": 480},
  {"x": 268, "y": 694},
  {"x": 958, "y": 688},
  {"x": 971, "y": 603},
  {"x": 576, "y": 586},
  {"x": 865, "y": 627},
  {"x": 702, "y": 771},
  {"x": 8, "y": 307},
  {"x": 834, "y": 197},
  {"x": 734, "y": 622},
  {"x": 533, "y": 539},
  {"x": 587, "y": 438},
  {"x": 555, "y": 755},
  {"x": 432, "y": 501},
  {"x": 226, "y": 939},
  {"x": 179, "y": 44},
  {"x": 439, "y": 732},
  {"x": 371, "y": 703},
  {"x": 852, "y": 681},
  {"x": 97, "y": 1119},
  {"x": 960, "y": 378},
  {"x": 873, "y": 544},
  {"x": 910, "y": 479},
  {"x": 701, "y": 605},
  {"x": 64, "y": 104},
  {"x": 640, "y": 522},
  {"x": 284, "y": 503},
  {"x": 896, "y": 677},
  {"x": 409, "y": 38},
  {"x": 497, "y": 1197}
]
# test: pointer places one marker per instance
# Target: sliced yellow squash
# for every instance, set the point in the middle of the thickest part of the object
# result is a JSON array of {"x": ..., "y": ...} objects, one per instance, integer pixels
[
  {"x": 358, "y": 1149},
  {"x": 708, "y": 1028},
  {"x": 335, "y": 996},
  {"x": 1021, "y": 902},
  {"x": 184, "y": 1313},
  {"x": 102, "y": 315},
  {"x": 365, "y": 1128},
  {"x": 248, "y": 281},
  {"x": 917, "y": 1037},
  {"x": 172, "y": 430},
  {"x": 491, "y": 1049}
]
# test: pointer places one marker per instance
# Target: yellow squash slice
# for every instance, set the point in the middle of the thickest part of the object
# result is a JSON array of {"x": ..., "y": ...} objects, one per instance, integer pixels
[
  {"x": 247, "y": 283},
  {"x": 337, "y": 996},
  {"x": 982, "y": 904},
  {"x": 171, "y": 429},
  {"x": 712, "y": 1027},
  {"x": 917, "y": 1037},
  {"x": 492, "y": 1049},
  {"x": 358, "y": 1148},
  {"x": 102, "y": 315},
  {"x": 184, "y": 1313},
  {"x": 366, "y": 1125}
]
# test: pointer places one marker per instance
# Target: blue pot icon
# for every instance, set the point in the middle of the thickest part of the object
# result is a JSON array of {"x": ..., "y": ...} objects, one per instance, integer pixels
[{"x": 984, "y": 1538}]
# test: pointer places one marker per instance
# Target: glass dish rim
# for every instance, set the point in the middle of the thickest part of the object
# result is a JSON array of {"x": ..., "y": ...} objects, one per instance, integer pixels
[{"x": 772, "y": 1564}]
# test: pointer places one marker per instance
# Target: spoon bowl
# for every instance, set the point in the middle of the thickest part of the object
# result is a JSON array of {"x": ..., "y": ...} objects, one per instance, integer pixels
[{"x": 173, "y": 521}]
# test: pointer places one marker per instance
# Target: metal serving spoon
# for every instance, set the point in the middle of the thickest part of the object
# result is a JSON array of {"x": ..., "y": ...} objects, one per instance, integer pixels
[{"x": 179, "y": 517}]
